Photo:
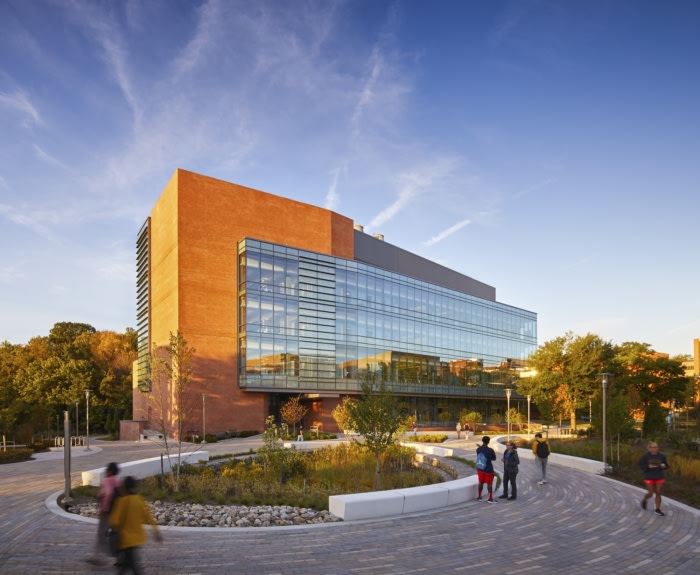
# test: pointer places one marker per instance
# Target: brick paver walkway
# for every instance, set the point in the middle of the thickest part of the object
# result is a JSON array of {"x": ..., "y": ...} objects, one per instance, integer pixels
[{"x": 576, "y": 524}]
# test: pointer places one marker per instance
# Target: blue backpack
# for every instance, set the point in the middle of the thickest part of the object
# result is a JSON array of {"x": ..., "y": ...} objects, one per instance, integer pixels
[{"x": 481, "y": 461}]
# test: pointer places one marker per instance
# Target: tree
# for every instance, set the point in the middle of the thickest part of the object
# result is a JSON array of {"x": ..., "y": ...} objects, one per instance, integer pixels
[
  {"x": 471, "y": 418},
  {"x": 652, "y": 376},
  {"x": 654, "y": 421},
  {"x": 567, "y": 376},
  {"x": 376, "y": 417},
  {"x": 113, "y": 355},
  {"x": 293, "y": 411},
  {"x": 172, "y": 395},
  {"x": 341, "y": 414}
]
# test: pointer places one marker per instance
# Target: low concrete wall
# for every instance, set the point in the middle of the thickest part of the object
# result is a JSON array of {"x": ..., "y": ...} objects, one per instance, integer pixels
[
  {"x": 587, "y": 465},
  {"x": 377, "y": 504},
  {"x": 427, "y": 448},
  {"x": 143, "y": 467}
]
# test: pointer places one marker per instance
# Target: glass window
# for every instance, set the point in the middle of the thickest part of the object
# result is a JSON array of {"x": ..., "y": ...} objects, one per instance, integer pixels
[
  {"x": 266, "y": 272},
  {"x": 408, "y": 330}
]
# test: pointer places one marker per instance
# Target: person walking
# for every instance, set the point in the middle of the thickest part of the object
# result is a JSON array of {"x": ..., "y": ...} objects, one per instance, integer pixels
[
  {"x": 541, "y": 451},
  {"x": 653, "y": 464},
  {"x": 130, "y": 514},
  {"x": 511, "y": 461},
  {"x": 458, "y": 427},
  {"x": 485, "y": 456},
  {"x": 110, "y": 489}
]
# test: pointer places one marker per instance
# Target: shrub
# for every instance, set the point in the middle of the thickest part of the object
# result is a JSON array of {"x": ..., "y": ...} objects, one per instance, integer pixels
[
  {"x": 15, "y": 455},
  {"x": 40, "y": 445},
  {"x": 290, "y": 477},
  {"x": 426, "y": 438}
]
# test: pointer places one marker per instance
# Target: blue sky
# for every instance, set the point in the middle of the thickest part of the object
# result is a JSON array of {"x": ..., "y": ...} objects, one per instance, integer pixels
[{"x": 548, "y": 148}]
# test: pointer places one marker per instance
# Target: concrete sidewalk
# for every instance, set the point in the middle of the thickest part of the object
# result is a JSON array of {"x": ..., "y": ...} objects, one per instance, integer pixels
[{"x": 578, "y": 523}]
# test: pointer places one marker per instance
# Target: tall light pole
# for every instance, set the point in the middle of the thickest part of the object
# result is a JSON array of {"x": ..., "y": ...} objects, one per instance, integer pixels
[
  {"x": 204, "y": 418},
  {"x": 87, "y": 418},
  {"x": 508, "y": 392},
  {"x": 605, "y": 388},
  {"x": 77, "y": 421},
  {"x": 528, "y": 416}
]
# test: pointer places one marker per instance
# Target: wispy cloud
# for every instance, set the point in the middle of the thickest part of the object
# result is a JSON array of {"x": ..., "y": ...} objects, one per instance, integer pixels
[
  {"x": 20, "y": 102},
  {"x": 107, "y": 35},
  {"x": 434, "y": 177},
  {"x": 208, "y": 25},
  {"x": 368, "y": 90},
  {"x": 535, "y": 187},
  {"x": 34, "y": 220},
  {"x": 409, "y": 190},
  {"x": 48, "y": 158},
  {"x": 332, "y": 197},
  {"x": 447, "y": 233},
  {"x": 515, "y": 13}
]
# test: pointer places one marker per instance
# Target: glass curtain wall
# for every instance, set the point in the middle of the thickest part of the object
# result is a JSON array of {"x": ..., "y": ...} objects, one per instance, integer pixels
[{"x": 311, "y": 322}]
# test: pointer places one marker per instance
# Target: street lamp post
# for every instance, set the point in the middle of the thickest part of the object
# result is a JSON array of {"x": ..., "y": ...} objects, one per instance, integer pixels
[
  {"x": 528, "y": 416},
  {"x": 87, "y": 418},
  {"x": 204, "y": 418},
  {"x": 605, "y": 388},
  {"x": 508, "y": 392},
  {"x": 77, "y": 420}
]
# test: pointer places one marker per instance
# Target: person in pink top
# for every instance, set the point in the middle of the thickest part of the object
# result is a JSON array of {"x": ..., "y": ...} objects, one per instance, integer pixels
[{"x": 110, "y": 488}]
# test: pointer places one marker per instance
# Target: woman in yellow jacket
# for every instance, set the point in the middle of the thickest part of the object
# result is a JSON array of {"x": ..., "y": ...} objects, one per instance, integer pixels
[{"x": 129, "y": 515}]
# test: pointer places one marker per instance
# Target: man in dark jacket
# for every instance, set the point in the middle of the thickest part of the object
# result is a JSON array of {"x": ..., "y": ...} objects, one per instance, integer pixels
[
  {"x": 485, "y": 456},
  {"x": 511, "y": 461}
]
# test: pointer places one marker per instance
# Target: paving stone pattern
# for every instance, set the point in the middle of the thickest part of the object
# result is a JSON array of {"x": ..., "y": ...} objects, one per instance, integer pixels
[{"x": 576, "y": 524}]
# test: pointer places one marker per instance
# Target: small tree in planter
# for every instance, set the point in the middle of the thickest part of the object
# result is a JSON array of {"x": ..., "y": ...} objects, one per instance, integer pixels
[
  {"x": 341, "y": 414},
  {"x": 472, "y": 419},
  {"x": 293, "y": 411}
]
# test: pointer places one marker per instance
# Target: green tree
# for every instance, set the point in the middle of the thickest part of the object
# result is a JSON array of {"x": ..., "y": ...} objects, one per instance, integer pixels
[
  {"x": 650, "y": 375},
  {"x": 654, "y": 421},
  {"x": 567, "y": 374},
  {"x": 471, "y": 418},
  {"x": 376, "y": 417}
]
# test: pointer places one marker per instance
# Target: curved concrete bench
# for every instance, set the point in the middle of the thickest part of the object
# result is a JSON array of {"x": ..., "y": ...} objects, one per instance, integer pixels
[
  {"x": 587, "y": 465},
  {"x": 143, "y": 467},
  {"x": 409, "y": 500}
]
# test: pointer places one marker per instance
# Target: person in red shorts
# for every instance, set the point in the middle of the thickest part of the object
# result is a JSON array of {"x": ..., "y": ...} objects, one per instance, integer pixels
[
  {"x": 485, "y": 456},
  {"x": 653, "y": 464}
]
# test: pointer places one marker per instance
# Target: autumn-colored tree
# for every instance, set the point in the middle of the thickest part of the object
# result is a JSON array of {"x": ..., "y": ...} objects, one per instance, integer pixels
[
  {"x": 293, "y": 411},
  {"x": 341, "y": 414}
]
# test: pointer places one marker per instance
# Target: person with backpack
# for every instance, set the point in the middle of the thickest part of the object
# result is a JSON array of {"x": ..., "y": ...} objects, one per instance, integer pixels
[
  {"x": 110, "y": 489},
  {"x": 485, "y": 456},
  {"x": 511, "y": 462},
  {"x": 541, "y": 451}
]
